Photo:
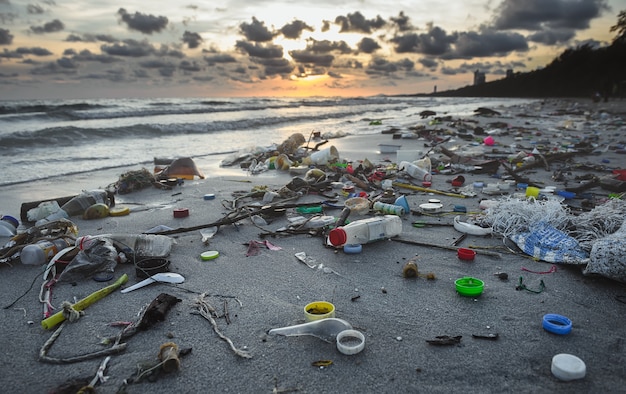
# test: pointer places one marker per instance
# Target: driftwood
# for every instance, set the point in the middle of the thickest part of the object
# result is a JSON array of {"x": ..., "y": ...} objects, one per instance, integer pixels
[
  {"x": 446, "y": 247},
  {"x": 235, "y": 218}
]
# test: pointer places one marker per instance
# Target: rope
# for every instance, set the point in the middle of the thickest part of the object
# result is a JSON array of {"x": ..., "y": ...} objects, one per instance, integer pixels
[{"x": 70, "y": 313}]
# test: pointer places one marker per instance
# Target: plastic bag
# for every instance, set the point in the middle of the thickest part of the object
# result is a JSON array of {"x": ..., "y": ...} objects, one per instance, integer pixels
[
  {"x": 546, "y": 243},
  {"x": 99, "y": 258}
]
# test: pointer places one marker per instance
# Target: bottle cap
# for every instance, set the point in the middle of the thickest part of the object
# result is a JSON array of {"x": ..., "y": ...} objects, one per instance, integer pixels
[
  {"x": 209, "y": 255},
  {"x": 350, "y": 342},
  {"x": 337, "y": 236},
  {"x": 568, "y": 367}
]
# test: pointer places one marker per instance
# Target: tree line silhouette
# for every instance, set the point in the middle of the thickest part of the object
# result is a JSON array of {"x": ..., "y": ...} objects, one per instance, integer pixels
[{"x": 583, "y": 71}]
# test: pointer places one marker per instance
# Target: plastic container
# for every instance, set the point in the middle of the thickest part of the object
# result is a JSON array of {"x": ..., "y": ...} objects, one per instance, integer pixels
[
  {"x": 41, "y": 252},
  {"x": 366, "y": 230},
  {"x": 318, "y": 310},
  {"x": 8, "y": 228},
  {"x": 78, "y": 204},
  {"x": 390, "y": 209}
]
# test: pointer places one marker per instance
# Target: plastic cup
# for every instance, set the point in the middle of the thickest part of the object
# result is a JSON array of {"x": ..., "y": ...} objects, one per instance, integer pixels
[
  {"x": 318, "y": 310},
  {"x": 323, "y": 156}
]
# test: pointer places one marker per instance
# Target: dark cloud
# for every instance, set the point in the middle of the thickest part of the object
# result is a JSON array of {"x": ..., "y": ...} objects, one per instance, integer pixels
[
  {"x": 311, "y": 58},
  {"x": 6, "y": 38},
  {"x": 6, "y": 54},
  {"x": 326, "y": 46},
  {"x": 381, "y": 66},
  {"x": 488, "y": 43},
  {"x": 256, "y": 31},
  {"x": 221, "y": 58},
  {"x": 34, "y": 9},
  {"x": 66, "y": 62},
  {"x": 146, "y": 24},
  {"x": 267, "y": 51},
  {"x": 435, "y": 42},
  {"x": 357, "y": 23},
  {"x": 129, "y": 48},
  {"x": 294, "y": 29},
  {"x": 547, "y": 14},
  {"x": 428, "y": 62},
  {"x": 402, "y": 21},
  {"x": 368, "y": 45},
  {"x": 50, "y": 27},
  {"x": 87, "y": 56},
  {"x": 325, "y": 26},
  {"x": 193, "y": 40},
  {"x": 188, "y": 66},
  {"x": 276, "y": 66},
  {"x": 51, "y": 69},
  {"x": 90, "y": 38},
  {"x": 35, "y": 51},
  {"x": 552, "y": 37}
]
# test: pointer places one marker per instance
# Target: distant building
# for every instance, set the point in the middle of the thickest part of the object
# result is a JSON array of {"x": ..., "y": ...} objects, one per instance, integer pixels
[
  {"x": 509, "y": 73},
  {"x": 479, "y": 77}
]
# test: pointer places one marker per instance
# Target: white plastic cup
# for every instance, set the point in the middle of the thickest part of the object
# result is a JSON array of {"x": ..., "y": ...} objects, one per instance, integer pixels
[{"x": 323, "y": 156}]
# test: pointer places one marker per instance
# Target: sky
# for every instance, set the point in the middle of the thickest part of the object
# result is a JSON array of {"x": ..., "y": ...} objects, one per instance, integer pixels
[{"x": 258, "y": 48}]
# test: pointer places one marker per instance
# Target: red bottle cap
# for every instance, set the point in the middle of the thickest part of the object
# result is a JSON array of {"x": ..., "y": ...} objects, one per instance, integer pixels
[
  {"x": 337, "y": 236},
  {"x": 181, "y": 213}
]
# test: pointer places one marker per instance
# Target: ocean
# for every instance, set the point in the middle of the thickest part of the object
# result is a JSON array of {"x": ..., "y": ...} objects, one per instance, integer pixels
[{"x": 49, "y": 138}]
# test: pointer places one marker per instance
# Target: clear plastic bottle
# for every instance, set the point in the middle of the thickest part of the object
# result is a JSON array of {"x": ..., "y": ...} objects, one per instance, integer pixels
[
  {"x": 366, "y": 230},
  {"x": 41, "y": 252},
  {"x": 78, "y": 204},
  {"x": 139, "y": 245}
]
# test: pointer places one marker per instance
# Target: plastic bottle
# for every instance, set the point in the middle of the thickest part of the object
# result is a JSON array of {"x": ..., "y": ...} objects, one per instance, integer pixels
[
  {"x": 415, "y": 171},
  {"x": 140, "y": 245},
  {"x": 78, "y": 204},
  {"x": 41, "y": 252},
  {"x": 366, "y": 230},
  {"x": 390, "y": 209}
]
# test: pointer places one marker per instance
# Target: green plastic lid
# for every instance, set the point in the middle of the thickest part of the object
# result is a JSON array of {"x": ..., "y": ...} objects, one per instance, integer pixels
[{"x": 209, "y": 255}]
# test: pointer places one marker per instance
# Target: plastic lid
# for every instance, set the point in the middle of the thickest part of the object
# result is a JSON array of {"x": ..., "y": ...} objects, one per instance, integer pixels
[
  {"x": 337, "y": 236},
  {"x": 209, "y": 255},
  {"x": 568, "y": 367},
  {"x": 350, "y": 342}
]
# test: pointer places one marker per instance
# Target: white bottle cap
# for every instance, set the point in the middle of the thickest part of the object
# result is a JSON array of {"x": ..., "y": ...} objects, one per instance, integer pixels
[{"x": 568, "y": 367}]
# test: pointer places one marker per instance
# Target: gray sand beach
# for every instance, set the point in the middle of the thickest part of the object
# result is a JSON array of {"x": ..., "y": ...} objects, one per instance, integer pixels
[{"x": 499, "y": 343}]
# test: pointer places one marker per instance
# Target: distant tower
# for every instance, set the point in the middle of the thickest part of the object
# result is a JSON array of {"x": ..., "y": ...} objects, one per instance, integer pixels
[
  {"x": 435, "y": 89},
  {"x": 509, "y": 73},
  {"x": 479, "y": 77}
]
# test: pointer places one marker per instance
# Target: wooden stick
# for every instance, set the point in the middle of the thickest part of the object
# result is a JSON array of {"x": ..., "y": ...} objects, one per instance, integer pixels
[
  {"x": 427, "y": 190},
  {"x": 446, "y": 247}
]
